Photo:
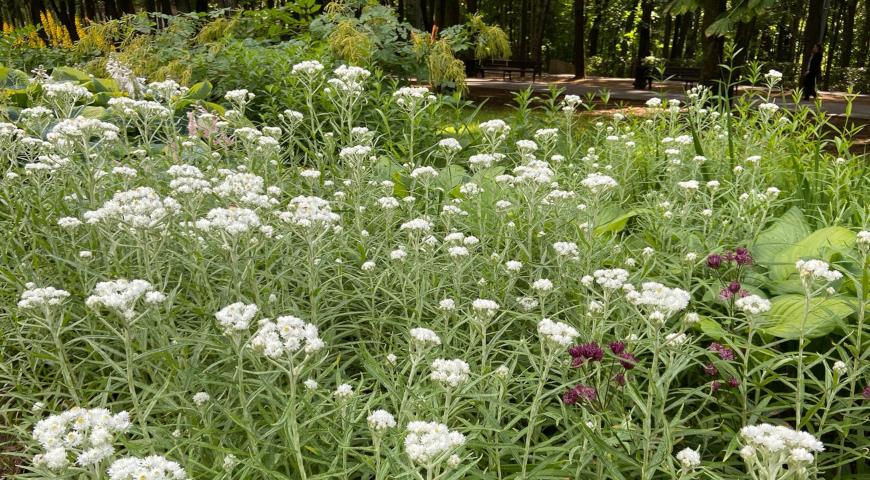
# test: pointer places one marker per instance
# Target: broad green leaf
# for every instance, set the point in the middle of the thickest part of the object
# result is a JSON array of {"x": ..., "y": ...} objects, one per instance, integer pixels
[
  {"x": 786, "y": 316},
  {"x": 92, "y": 112},
  {"x": 711, "y": 328},
  {"x": 821, "y": 244},
  {"x": 213, "y": 107},
  {"x": 102, "y": 98},
  {"x": 449, "y": 177},
  {"x": 785, "y": 232},
  {"x": 618, "y": 224},
  {"x": 12, "y": 78},
  {"x": 97, "y": 85},
  {"x": 69, "y": 74},
  {"x": 199, "y": 91}
]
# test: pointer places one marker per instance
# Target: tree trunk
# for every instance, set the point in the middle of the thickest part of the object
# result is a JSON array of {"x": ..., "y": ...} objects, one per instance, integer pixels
[
  {"x": 643, "y": 44},
  {"x": 579, "y": 38},
  {"x": 666, "y": 36},
  {"x": 848, "y": 33},
  {"x": 743, "y": 42},
  {"x": 595, "y": 32},
  {"x": 626, "y": 28},
  {"x": 814, "y": 31},
  {"x": 201, "y": 5},
  {"x": 472, "y": 6},
  {"x": 538, "y": 33},
  {"x": 692, "y": 36},
  {"x": 713, "y": 46},
  {"x": 864, "y": 45},
  {"x": 681, "y": 24},
  {"x": 835, "y": 37}
]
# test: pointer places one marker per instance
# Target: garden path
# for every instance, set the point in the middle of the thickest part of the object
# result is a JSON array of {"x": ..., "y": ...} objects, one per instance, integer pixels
[{"x": 622, "y": 90}]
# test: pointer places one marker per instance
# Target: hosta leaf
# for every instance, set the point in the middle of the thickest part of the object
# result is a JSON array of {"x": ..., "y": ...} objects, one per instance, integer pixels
[
  {"x": 821, "y": 244},
  {"x": 199, "y": 91},
  {"x": 97, "y": 85},
  {"x": 785, "y": 232},
  {"x": 449, "y": 177},
  {"x": 617, "y": 224},
  {"x": 786, "y": 316},
  {"x": 92, "y": 112},
  {"x": 69, "y": 74}
]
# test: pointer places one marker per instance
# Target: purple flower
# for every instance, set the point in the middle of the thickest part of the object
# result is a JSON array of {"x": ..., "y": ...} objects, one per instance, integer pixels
[
  {"x": 714, "y": 261},
  {"x": 714, "y": 386},
  {"x": 579, "y": 392},
  {"x": 585, "y": 351},
  {"x": 866, "y": 392},
  {"x": 628, "y": 361},
  {"x": 570, "y": 396},
  {"x": 725, "y": 294},
  {"x": 586, "y": 392},
  {"x": 710, "y": 370},
  {"x": 617, "y": 347},
  {"x": 724, "y": 352},
  {"x": 733, "y": 382},
  {"x": 734, "y": 287},
  {"x": 742, "y": 256},
  {"x": 619, "y": 378}
]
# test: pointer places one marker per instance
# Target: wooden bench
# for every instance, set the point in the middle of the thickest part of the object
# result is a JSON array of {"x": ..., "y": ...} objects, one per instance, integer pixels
[
  {"x": 509, "y": 67},
  {"x": 688, "y": 75}
]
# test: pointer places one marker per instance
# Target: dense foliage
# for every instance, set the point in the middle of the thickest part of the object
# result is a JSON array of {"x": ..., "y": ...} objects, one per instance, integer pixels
[{"x": 377, "y": 283}]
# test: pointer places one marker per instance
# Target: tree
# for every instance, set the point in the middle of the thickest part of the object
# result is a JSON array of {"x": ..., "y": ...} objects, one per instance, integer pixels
[
  {"x": 579, "y": 38},
  {"x": 814, "y": 31},
  {"x": 643, "y": 45}
]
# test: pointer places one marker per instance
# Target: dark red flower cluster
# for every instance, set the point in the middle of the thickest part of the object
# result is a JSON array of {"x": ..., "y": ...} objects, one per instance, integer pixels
[
  {"x": 739, "y": 256},
  {"x": 724, "y": 352},
  {"x": 585, "y": 351},
  {"x": 579, "y": 392}
]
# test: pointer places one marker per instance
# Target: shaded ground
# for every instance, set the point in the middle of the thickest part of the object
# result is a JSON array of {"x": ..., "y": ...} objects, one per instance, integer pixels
[{"x": 624, "y": 97}]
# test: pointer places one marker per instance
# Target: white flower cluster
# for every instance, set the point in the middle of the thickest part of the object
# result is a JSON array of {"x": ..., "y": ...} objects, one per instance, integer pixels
[
  {"x": 611, "y": 279},
  {"x": 451, "y": 373},
  {"x": 566, "y": 249},
  {"x": 140, "y": 208},
  {"x": 153, "y": 467},
  {"x": 598, "y": 183},
  {"x": 42, "y": 297},
  {"x": 413, "y": 98},
  {"x": 348, "y": 80},
  {"x": 770, "y": 446},
  {"x": 494, "y": 131},
  {"x": 309, "y": 212},
  {"x": 286, "y": 335},
  {"x": 817, "y": 270},
  {"x": 485, "y": 308},
  {"x": 659, "y": 298},
  {"x": 121, "y": 296},
  {"x": 187, "y": 179},
  {"x": 689, "y": 458},
  {"x": 80, "y": 129},
  {"x": 239, "y": 97},
  {"x": 46, "y": 163},
  {"x": 424, "y": 337},
  {"x": 145, "y": 110},
  {"x": 381, "y": 420},
  {"x": 752, "y": 304},
  {"x": 86, "y": 433},
  {"x": 246, "y": 187},
  {"x": 556, "y": 333},
  {"x": 236, "y": 317},
  {"x": 570, "y": 103},
  {"x": 232, "y": 221},
  {"x": 308, "y": 68},
  {"x": 417, "y": 225},
  {"x": 428, "y": 443},
  {"x": 450, "y": 145},
  {"x": 533, "y": 172},
  {"x": 484, "y": 160}
]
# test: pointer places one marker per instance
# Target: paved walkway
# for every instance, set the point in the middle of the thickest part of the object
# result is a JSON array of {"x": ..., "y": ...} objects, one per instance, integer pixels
[{"x": 622, "y": 89}]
